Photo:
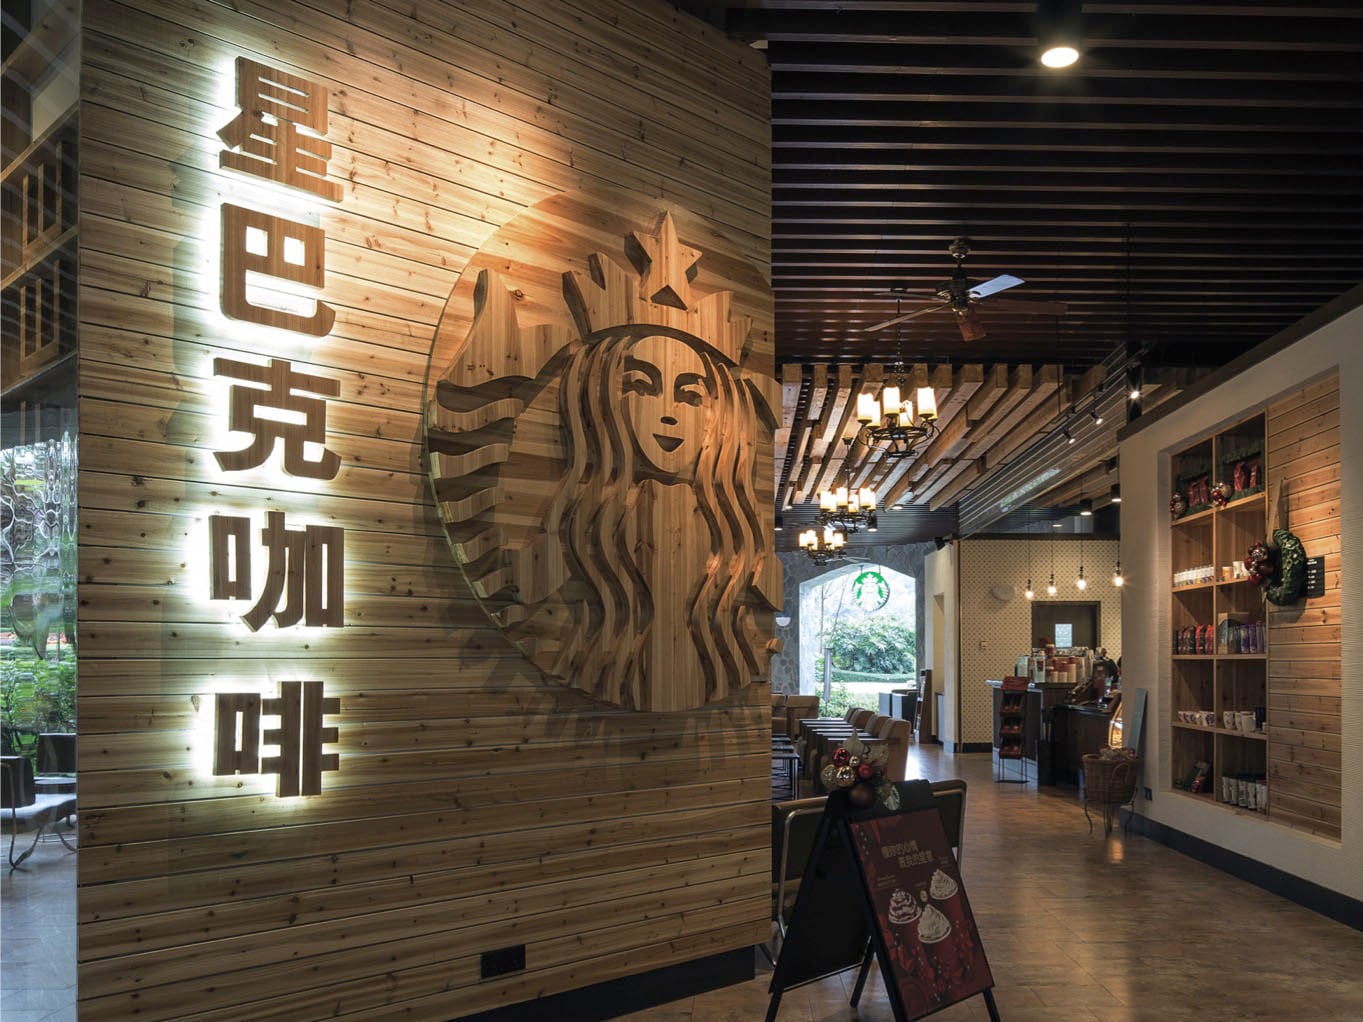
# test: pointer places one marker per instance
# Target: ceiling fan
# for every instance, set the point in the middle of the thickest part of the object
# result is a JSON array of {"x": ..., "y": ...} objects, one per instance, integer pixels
[{"x": 960, "y": 296}]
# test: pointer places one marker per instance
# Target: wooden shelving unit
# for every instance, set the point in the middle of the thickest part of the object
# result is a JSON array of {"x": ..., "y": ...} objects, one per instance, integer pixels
[
  {"x": 1214, "y": 676},
  {"x": 38, "y": 205}
]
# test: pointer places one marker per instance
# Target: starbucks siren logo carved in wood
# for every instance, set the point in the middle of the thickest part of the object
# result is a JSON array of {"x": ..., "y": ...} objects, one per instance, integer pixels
[{"x": 600, "y": 472}]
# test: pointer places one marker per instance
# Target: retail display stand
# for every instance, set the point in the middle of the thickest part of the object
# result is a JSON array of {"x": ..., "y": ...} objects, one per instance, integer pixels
[
  {"x": 1012, "y": 713},
  {"x": 914, "y": 919}
]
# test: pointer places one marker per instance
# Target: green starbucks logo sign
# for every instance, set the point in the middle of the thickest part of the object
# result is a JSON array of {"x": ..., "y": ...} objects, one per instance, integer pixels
[{"x": 870, "y": 591}]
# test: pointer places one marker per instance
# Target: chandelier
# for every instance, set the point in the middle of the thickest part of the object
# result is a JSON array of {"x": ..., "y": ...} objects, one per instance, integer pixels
[
  {"x": 823, "y": 548},
  {"x": 846, "y": 508},
  {"x": 890, "y": 423}
]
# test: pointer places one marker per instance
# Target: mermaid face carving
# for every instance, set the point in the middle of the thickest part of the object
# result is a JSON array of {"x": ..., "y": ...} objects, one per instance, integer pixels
[
  {"x": 666, "y": 398},
  {"x": 599, "y": 468}
]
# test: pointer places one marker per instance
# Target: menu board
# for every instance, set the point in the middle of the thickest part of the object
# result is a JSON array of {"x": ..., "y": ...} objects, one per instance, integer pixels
[{"x": 924, "y": 920}]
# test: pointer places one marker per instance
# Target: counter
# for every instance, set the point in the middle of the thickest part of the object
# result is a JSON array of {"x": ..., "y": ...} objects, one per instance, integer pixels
[{"x": 1076, "y": 729}]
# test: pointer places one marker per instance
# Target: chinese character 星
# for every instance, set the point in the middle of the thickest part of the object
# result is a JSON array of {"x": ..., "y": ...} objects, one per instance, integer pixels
[
  {"x": 265, "y": 139},
  {"x": 281, "y": 386}
]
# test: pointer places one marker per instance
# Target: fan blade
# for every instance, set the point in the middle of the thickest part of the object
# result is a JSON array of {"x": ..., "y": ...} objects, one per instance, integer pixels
[
  {"x": 1032, "y": 308},
  {"x": 904, "y": 318},
  {"x": 992, "y": 287},
  {"x": 971, "y": 328}
]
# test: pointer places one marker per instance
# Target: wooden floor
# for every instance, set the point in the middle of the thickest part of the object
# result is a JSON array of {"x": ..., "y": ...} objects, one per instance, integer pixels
[
  {"x": 1080, "y": 927},
  {"x": 1077, "y": 927}
]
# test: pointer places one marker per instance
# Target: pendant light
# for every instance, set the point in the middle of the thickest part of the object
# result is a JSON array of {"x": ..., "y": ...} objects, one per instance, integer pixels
[
  {"x": 1081, "y": 583},
  {"x": 1028, "y": 591},
  {"x": 1050, "y": 586},
  {"x": 1118, "y": 579}
]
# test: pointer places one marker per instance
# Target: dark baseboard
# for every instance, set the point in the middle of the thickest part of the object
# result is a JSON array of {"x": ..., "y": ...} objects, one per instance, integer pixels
[
  {"x": 631, "y": 993},
  {"x": 958, "y": 748},
  {"x": 1332, "y": 904}
]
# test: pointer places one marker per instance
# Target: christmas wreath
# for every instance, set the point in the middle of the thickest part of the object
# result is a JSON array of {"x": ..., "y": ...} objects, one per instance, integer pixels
[{"x": 1278, "y": 569}]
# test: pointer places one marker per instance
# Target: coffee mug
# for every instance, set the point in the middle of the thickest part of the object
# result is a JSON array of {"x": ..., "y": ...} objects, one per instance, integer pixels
[
  {"x": 1228, "y": 719},
  {"x": 1246, "y": 721}
]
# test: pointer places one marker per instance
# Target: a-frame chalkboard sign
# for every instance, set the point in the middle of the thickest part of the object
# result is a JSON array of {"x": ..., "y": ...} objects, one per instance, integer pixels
[{"x": 884, "y": 885}]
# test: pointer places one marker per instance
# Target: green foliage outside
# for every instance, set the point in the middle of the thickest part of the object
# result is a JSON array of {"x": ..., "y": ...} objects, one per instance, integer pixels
[
  {"x": 839, "y": 701},
  {"x": 36, "y": 696},
  {"x": 873, "y": 645}
]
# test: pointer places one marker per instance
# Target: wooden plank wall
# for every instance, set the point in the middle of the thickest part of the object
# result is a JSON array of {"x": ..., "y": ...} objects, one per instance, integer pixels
[
  {"x": 475, "y": 806},
  {"x": 1304, "y": 639}
]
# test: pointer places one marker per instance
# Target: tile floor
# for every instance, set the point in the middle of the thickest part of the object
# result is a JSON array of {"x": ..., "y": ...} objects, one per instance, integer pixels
[
  {"x": 38, "y": 934},
  {"x": 1078, "y": 928}
]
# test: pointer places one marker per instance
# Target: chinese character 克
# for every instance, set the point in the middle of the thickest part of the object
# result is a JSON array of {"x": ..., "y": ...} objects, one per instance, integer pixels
[
  {"x": 305, "y": 570},
  {"x": 300, "y": 736},
  {"x": 281, "y": 386}
]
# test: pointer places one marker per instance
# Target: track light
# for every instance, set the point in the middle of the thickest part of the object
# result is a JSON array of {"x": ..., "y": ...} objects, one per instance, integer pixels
[
  {"x": 873, "y": 523},
  {"x": 1086, "y": 508},
  {"x": 1069, "y": 437},
  {"x": 1097, "y": 419},
  {"x": 1116, "y": 495},
  {"x": 780, "y": 522}
]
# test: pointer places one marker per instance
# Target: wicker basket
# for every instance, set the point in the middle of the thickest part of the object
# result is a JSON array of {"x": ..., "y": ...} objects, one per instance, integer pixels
[{"x": 1110, "y": 782}]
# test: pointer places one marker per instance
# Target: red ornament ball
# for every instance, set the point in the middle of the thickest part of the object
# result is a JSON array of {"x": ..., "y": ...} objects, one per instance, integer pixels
[
  {"x": 841, "y": 757},
  {"x": 865, "y": 771}
]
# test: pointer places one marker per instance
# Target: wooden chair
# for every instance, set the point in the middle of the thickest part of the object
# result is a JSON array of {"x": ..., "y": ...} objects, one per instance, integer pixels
[{"x": 29, "y": 811}]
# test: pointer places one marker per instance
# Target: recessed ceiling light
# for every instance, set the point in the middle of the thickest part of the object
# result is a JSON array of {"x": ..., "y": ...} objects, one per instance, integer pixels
[{"x": 1060, "y": 56}]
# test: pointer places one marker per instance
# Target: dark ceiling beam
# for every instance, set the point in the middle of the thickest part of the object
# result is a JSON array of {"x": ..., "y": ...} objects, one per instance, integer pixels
[
  {"x": 1020, "y": 60},
  {"x": 989, "y": 112},
  {"x": 1142, "y": 91},
  {"x": 1169, "y": 26}
]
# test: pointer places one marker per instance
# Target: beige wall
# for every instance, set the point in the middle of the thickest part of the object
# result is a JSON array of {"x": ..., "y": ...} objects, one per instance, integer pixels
[
  {"x": 476, "y": 806},
  {"x": 939, "y": 636},
  {"x": 1146, "y": 614}
]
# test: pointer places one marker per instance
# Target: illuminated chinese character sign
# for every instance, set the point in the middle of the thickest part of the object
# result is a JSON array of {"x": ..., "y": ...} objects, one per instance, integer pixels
[
  {"x": 273, "y": 275},
  {"x": 301, "y": 735}
]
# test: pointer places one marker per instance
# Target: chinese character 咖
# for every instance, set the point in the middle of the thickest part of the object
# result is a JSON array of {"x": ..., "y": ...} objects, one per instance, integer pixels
[
  {"x": 300, "y": 707},
  {"x": 281, "y": 393},
  {"x": 306, "y": 570},
  {"x": 255, "y": 242},
  {"x": 267, "y": 138}
]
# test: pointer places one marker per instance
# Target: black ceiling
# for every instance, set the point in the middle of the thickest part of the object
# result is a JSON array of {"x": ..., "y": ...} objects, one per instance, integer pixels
[{"x": 1191, "y": 186}]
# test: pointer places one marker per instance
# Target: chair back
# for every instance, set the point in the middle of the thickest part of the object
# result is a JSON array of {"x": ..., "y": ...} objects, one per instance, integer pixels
[
  {"x": 949, "y": 797},
  {"x": 794, "y": 825},
  {"x": 859, "y": 717},
  {"x": 57, "y": 753},
  {"x": 16, "y": 782},
  {"x": 874, "y": 723},
  {"x": 909, "y": 706},
  {"x": 799, "y": 708},
  {"x": 896, "y": 734}
]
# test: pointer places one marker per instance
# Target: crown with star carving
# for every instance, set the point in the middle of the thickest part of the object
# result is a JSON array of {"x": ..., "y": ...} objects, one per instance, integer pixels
[{"x": 657, "y": 293}]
